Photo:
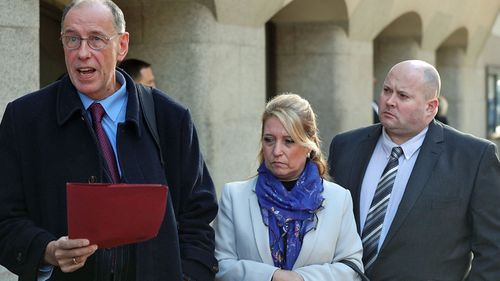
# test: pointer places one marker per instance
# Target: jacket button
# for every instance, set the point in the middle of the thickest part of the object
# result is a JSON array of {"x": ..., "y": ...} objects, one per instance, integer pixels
[
  {"x": 215, "y": 268},
  {"x": 19, "y": 257},
  {"x": 92, "y": 179}
]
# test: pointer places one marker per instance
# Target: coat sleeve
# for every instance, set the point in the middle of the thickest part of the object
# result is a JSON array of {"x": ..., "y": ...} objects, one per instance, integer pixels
[
  {"x": 197, "y": 206},
  {"x": 485, "y": 216},
  {"x": 348, "y": 247},
  {"x": 22, "y": 243},
  {"x": 231, "y": 266}
]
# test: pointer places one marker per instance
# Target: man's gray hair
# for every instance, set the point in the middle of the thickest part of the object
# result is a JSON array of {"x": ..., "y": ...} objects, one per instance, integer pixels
[{"x": 118, "y": 17}]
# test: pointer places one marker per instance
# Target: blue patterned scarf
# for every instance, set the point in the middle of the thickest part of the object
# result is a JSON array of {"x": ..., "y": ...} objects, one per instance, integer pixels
[{"x": 289, "y": 214}]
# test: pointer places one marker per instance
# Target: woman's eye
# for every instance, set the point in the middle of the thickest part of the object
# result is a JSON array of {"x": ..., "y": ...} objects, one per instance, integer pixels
[{"x": 268, "y": 140}]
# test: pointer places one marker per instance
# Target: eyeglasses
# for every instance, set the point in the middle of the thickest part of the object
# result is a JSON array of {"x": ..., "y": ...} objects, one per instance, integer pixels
[{"x": 96, "y": 42}]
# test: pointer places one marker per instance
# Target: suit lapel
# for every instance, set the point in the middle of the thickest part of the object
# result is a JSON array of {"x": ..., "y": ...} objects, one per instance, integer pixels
[
  {"x": 424, "y": 166},
  {"x": 360, "y": 162},
  {"x": 260, "y": 230}
]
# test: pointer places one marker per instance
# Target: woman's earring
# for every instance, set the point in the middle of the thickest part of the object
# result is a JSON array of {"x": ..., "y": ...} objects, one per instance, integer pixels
[{"x": 311, "y": 154}]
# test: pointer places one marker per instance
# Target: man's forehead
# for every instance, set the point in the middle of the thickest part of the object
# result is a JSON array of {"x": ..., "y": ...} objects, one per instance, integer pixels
[
  {"x": 91, "y": 18},
  {"x": 404, "y": 81},
  {"x": 404, "y": 73}
]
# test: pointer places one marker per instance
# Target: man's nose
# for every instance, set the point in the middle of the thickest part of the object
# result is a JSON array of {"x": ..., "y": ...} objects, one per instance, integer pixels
[
  {"x": 391, "y": 99},
  {"x": 83, "y": 50}
]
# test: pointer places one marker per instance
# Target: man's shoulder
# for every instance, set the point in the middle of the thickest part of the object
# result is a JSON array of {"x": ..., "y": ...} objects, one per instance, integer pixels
[
  {"x": 163, "y": 100},
  {"x": 359, "y": 133},
  {"x": 454, "y": 136},
  {"x": 46, "y": 93},
  {"x": 37, "y": 103}
]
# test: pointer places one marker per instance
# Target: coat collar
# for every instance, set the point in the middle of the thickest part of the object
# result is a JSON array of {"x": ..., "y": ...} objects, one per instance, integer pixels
[
  {"x": 69, "y": 104},
  {"x": 311, "y": 238}
]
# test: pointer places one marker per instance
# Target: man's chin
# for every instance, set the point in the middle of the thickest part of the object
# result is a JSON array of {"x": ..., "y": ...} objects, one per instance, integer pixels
[{"x": 88, "y": 90}]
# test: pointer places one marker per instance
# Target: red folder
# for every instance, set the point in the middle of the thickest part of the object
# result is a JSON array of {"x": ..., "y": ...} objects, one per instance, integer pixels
[{"x": 111, "y": 215}]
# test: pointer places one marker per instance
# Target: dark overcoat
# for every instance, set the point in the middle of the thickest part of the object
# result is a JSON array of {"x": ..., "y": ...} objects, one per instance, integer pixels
[{"x": 46, "y": 141}]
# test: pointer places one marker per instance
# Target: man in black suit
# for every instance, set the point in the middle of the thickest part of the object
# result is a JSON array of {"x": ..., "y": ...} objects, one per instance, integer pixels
[
  {"x": 437, "y": 211},
  {"x": 47, "y": 139}
]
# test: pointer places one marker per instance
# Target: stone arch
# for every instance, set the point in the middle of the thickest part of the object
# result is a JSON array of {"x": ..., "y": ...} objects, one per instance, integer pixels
[
  {"x": 299, "y": 26},
  {"x": 333, "y": 11},
  {"x": 399, "y": 40},
  {"x": 451, "y": 58},
  {"x": 458, "y": 39},
  {"x": 309, "y": 53},
  {"x": 249, "y": 13}
]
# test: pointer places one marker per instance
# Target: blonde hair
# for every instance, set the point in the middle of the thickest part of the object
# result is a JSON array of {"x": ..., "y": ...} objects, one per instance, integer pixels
[{"x": 297, "y": 117}]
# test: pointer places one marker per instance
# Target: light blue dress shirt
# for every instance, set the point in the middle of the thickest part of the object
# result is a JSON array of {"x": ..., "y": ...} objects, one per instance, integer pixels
[
  {"x": 116, "y": 108},
  {"x": 378, "y": 161}
]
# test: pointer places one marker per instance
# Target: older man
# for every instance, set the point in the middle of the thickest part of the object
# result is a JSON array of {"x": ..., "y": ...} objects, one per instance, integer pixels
[
  {"x": 47, "y": 138},
  {"x": 425, "y": 195}
]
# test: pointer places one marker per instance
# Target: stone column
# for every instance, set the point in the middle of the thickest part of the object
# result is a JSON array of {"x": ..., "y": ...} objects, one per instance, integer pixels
[
  {"x": 19, "y": 50},
  {"x": 217, "y": 70},
  {"x": 19, "y": 74},
  {"x": 390, "y": 50},
  {"x": 320, "y": 63},
  {"x": 463, "y": 87}
]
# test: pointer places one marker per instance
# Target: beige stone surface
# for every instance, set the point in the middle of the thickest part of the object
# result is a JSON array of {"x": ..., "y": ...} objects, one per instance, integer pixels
[
  {"x": 213, "y": 56},
  {"x": 216, "y": 69},
  {"x": 19, "y": 49}
]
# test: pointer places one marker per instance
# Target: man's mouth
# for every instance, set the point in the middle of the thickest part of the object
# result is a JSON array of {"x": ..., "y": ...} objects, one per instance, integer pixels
[
  {"x": 86, "y": 70},
  {"x": 389, "y": 114}
]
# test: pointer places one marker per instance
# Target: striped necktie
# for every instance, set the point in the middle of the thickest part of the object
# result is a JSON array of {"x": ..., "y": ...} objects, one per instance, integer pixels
[
  {"x": 378, "y": 207},
  {"x": 97, "y": 112}
]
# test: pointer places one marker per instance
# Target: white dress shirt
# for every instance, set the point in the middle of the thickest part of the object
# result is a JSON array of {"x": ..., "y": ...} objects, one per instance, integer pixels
[{"x": 378, "y": 161}]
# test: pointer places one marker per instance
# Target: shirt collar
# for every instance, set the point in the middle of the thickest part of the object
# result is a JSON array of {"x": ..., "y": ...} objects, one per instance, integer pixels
[
  {"x": 112, "y": 104},
  {"x": 409, "y": 147}
]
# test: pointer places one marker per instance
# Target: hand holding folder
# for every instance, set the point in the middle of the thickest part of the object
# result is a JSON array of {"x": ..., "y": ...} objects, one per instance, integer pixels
[{"x": 111, "y": 215}]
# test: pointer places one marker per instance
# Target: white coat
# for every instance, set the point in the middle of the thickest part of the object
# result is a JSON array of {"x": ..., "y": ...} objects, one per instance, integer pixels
[{"x": 242, "y": 239}]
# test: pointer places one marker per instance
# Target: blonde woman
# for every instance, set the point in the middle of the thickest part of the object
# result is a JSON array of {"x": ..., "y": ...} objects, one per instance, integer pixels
[{"x": 287, "y": 223}]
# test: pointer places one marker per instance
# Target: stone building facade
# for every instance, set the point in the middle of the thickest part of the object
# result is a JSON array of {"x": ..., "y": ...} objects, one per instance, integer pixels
[{"x": 225, "y": 58}]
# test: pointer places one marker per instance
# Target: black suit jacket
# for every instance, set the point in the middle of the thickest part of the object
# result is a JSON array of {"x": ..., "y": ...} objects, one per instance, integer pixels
[
  {"x": 45, "y": 142},
  {"x": 449, "y": 211}
]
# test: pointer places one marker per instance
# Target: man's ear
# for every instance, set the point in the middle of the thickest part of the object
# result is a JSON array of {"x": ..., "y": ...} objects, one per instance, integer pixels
[
  {"x": 432, "y": 106},
  {"x": 123, "y": 46}
]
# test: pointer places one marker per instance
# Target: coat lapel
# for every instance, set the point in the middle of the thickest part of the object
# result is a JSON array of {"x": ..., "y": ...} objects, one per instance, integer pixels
[
  {"x": 424, "y": 166},
  {"x": 260, "y": 230},
  {"x": 360, "y": 163},
  {"x": 310, "y": 240}
]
